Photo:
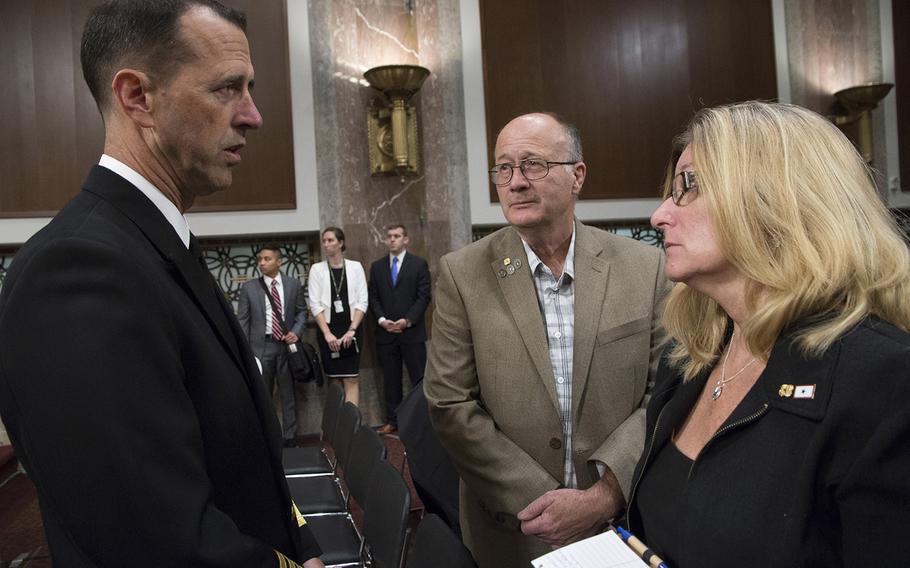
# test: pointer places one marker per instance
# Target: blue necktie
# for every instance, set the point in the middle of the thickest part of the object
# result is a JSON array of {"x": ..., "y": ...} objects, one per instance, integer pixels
[{"x": 394, "y": 270}]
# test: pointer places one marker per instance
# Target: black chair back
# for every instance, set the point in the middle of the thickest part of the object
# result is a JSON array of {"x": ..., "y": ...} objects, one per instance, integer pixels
[
  {"x": 367, "y": 450},
  {"x": 334, "y": 398},
  {"x": 313, "y": 460},
  {"x": 385, "y": 516},
  {"x": 436, "y": 546},
  {"x": 348, "y": 423}
]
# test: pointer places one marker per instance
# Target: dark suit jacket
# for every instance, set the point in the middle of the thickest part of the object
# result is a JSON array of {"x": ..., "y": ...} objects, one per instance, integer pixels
[
  {"x": 822, "y": 481},
  {"x": 408, "y": 298},
  {"x": 251, "y": 310},
  {"x": 130, "y": 396}
]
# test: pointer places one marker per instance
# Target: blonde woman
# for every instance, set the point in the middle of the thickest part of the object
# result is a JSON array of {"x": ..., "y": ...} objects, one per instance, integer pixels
[
  {"x": 779, "y": 428},
  {"x": 337, "y": 290}
]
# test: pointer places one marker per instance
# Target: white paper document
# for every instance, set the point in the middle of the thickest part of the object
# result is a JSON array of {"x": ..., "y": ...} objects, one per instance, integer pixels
[{"x": 605, "y": 550}]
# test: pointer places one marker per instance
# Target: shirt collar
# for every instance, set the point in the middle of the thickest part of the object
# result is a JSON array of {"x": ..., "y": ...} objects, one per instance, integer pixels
[
  {"x": 268, "y": 281},
  {"x": 165, "y": 205},
  {"x": 399, "y": 256},
  {"x": 568, "y": 267}
]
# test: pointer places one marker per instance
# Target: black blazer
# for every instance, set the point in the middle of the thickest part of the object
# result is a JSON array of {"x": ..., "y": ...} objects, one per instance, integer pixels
[
  {"x": 822, "y": 481},
  {"x": 131, "y": 398},
  {"x": 408, "y": 298}
]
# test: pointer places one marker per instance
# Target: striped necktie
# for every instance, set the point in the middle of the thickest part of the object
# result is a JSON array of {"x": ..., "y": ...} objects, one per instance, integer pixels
[{"x": 276, "y": 325}]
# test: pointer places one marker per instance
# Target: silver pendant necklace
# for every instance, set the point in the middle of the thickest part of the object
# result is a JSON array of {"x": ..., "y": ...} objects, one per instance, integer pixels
[{"x": 723, "y": 380}]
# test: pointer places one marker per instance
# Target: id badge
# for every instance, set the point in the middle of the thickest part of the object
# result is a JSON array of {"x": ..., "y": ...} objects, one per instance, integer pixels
[{"x": 339, "y": 307}]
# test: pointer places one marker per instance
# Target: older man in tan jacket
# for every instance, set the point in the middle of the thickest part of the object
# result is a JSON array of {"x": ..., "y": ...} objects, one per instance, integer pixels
[{"x": 545, "y": 339}]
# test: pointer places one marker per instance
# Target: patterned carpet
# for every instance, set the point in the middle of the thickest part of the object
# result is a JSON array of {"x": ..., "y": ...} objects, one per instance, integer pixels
[{"x": 21, "y": 533}]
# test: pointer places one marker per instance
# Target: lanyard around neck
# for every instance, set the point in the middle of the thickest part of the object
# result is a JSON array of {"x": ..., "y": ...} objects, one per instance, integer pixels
[{"x": 336, "y": 286}]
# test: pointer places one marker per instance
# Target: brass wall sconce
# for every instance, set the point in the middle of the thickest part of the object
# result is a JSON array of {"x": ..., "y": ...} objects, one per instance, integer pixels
[
  {"x": 392, "y": 122},
  {"x": 860, "y": 101}
]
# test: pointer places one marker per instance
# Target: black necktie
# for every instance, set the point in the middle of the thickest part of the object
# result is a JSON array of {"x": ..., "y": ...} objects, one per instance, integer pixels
[{"x": 197, "y": 252}]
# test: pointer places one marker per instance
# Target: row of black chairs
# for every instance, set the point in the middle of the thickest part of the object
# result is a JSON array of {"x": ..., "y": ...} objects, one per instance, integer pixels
[{"x": 351, "y": 463}]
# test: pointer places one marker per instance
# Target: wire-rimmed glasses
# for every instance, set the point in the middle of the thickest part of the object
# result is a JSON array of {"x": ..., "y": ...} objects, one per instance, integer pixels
[
  {"x": 532, "y": 168},
  {"x": 684, "y": 188}
]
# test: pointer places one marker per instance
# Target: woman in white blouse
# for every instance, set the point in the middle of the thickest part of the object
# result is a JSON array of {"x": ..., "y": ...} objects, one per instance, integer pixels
[{"x": 337, "y": 290}]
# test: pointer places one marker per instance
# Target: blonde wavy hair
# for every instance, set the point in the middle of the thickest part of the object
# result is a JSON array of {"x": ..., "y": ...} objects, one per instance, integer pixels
[{"x": 795, "y": 210}]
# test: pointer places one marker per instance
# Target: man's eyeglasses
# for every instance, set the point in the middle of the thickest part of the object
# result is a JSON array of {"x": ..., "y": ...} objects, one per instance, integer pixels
[
  {"x": 684, "y": 188},
  {"x": 532, "y": 169}
]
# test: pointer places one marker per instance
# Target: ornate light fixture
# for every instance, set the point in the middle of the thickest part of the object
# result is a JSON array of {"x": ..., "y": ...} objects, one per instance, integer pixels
[
  {"x": 860, "y": 101},
  {"x": 392, "y": 122}
]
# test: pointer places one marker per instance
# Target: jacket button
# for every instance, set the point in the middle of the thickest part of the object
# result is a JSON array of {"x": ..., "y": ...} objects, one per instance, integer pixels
[{"x": 555, "y": 443}]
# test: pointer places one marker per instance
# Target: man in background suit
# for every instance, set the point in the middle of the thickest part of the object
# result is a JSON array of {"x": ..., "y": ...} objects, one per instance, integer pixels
[
  {"x": 266, "y": 334},
  {"x": 399, "y": 296},
  {"x": 546, "y": 336},
  {"x": 145, "y": 427}
]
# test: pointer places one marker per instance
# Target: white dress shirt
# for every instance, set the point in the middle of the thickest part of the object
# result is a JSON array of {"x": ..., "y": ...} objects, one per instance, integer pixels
[
  {"x": 400, "y": 257},
  {"x": 268, "y": 304},
  {"x": 165, "y": 205}
]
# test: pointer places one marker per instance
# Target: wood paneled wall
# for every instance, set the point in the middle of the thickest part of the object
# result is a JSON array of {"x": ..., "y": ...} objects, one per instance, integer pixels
[
  {"x": 628, "y": 74},
  {"x": 265, "y": 178},
  {"x": 53, "y": 132},
  {"x": 52, "y": 129}
]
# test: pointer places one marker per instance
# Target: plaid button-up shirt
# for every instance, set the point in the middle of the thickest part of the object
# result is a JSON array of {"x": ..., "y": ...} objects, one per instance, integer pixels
[{"x": 557, "y": 306}]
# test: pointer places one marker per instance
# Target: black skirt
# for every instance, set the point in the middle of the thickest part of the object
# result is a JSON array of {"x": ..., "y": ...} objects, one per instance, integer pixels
[{"x": 346, "y": 362}]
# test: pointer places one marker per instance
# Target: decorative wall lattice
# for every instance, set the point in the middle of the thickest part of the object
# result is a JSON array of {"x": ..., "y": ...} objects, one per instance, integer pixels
[
  {"x": 233, "y": 262},
  {"x": 6, "y": 258},
  {"x": 641, "y": 231}
]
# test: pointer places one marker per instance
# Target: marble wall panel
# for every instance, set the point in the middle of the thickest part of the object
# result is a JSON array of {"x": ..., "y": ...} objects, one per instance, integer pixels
[
  {"x": 348, "y": 37},
  {"x": 832, "y": 45}
]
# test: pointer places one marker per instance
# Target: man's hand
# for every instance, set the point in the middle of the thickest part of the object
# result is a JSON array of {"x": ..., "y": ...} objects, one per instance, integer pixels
[
  {"x": 313, "y": 563},
  {"x": 401, "y": 325},
  {"x": 390, "y": 326},
  {"x": 290, "y": 337},
  {"x": 563, "y": 516}
]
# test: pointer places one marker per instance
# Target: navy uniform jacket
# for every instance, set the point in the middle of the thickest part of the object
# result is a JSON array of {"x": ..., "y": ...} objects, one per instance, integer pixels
[{"x": 130, "y": 397}]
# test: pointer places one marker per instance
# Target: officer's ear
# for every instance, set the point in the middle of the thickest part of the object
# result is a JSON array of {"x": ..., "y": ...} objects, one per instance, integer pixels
[{"x": 131, "y": 91}]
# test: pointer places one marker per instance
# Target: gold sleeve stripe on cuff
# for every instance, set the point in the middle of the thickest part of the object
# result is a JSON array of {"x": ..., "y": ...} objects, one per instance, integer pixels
[
  {"x": 285, "y": 562},
  {"x": 300, "y": 520}
]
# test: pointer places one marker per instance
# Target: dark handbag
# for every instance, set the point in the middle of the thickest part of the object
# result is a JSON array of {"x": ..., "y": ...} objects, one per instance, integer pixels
[{"x": 303, "y": 360}]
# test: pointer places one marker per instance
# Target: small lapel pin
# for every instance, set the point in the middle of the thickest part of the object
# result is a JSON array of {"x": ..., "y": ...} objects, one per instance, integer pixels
[
  {"x": 507, "y": 261},
  {"x": 786, "y": 391},
  {"x": 502, "y": 273},
  {"x": 517, "y": 263},
  {"x": 804, "y": 391},
  {"x": 510, "y": 270}
]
